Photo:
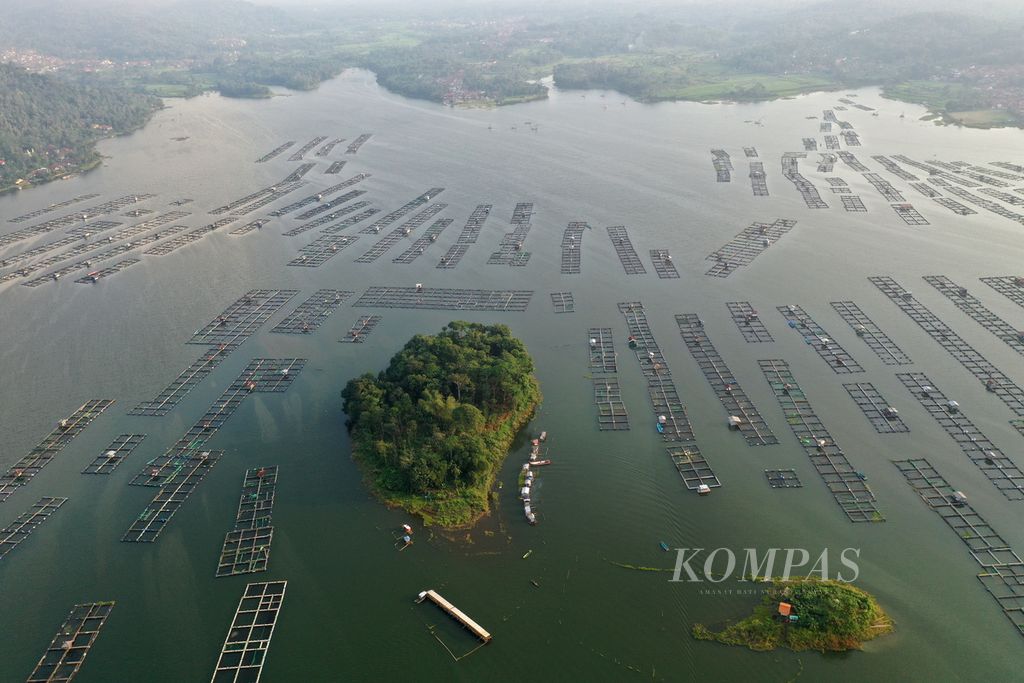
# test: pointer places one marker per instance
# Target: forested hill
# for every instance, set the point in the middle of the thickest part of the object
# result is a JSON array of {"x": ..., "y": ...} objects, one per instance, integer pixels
[{"x": 48, "y": 127}]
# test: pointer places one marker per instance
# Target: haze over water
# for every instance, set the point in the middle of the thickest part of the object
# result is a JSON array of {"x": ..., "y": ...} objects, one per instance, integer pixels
[{"x": 608, "y": 497}]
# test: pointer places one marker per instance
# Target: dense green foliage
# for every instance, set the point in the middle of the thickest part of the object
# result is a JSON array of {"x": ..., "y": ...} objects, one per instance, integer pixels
[
  {"x": 48, "y": 127},
  {"x": 439, "y": 420},
  {"x": 833, "y": 616}
]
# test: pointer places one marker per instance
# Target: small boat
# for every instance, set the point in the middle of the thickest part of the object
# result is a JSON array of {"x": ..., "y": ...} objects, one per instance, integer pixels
[
  {"x": 528, "y": 553},
  {"x": 535, "y": 584},
  {"x": 538, "y": 463},
  {"x": 661, "y": 428},
  {"x": 664, "y": 546}
]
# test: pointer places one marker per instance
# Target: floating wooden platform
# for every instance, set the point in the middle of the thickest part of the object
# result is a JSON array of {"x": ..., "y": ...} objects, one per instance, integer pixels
[
  {"x": 981, "y": 314},
  {"x": 397, "y": 234},
  {"x": 357, "y": 143},
  {"x": 322, "y": 206},
  {"x": 275, "y": 152},
  {"x": 758, "y": 182},
  {"x": 318, "y": 196},
  {"x": 894, "y": 168},
  {"x": 243, "y": 317},
  {"x": 381, "y": 223},
  {"x": 270, "y": 196},
  {"x": 245, "y": 647},
  {"x": 70, "y": 219},
  {"x": 247, "y": 546},
  {"x": 114, "y": 268},
  {"x": 460, "y": 616},
  {"x": 877, "y": 340},
  {"x": 52, "y": 207},
  {"x": 443, "y": 299},
  {"x": 750, "y": 152},
  {"x": 288, "y": 182},
  {"x": 421, "y": 244},
  {"x": 722, "y": 165},
  {"x": 114, "y": 454},
  {"x": 810, "y": 144},
  {"x": 297, "y": 156},
  {"x": 847, "y": 486},
  {"x": 750, "y": 243},
  {"x": 350, "y": 221},
  {"x": 694, "y": 469},
  {"x": 69, "y": 648},
  {"x": 1008, "y": 286},
  {"x": 335, "y": 168},
  {"x": 749, "y": 322},
  {"x": 909, "y": 214},
  {"x": 851, "y": 161},
  {"x": 329, "y": 147},
  {"x": 361, "y": 328},
  {"x": 510, "y": 248},
  {"x": 602, "y": 351},
  {"x": 249, "y": 227},
  {"x": 783, "y": 479},
  {"x": 808, "y": 192},
  {"x": 875, "y": 408},
  {"x": 322, "y": 249},
  {"x": 611, "y": 411},
  {"x": 467, "y": 237},
  {"x": 311, "y": 313},
  {"x": 837, "y": 358},
  {"x": 173, "y": 493},
  {"x": 752, "y": 426},
  {"x": 189, "y": 237},
  {"x": 663, "y": 265},
  {"x": 1002, "y": 569},
  {"x": 628, "y": 257},
  {"x": 334, "y": 215},
  {"x": 27, "y": 522},
  {"x": 979, "y": 366},
  {"x": 853, "y": 203},
  {"x": 563, "y": 302},
  {"x": 572, "y": 243},
  {"x": 39, "y": 457}
]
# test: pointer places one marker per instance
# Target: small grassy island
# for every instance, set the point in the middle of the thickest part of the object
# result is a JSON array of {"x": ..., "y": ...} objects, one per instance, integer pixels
[
  {"x": 831, "y": 616},
  {"x": 433, "y": 428}
]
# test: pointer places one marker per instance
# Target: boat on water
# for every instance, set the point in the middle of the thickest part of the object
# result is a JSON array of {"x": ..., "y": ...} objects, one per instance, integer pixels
[
  {"x": 661, "y": 428},
  {"x": 664, "y": 546},
  {"x": 538, "y": 463}
]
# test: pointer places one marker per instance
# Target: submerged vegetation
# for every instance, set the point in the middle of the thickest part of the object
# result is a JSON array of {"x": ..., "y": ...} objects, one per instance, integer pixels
[
  {"x": 434, "y": 427},
  {"x": 831, "y": 616}
]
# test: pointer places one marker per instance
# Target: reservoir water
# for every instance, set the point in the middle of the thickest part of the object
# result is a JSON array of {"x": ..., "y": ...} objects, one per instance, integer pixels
[{"x": 609, "y": 497}]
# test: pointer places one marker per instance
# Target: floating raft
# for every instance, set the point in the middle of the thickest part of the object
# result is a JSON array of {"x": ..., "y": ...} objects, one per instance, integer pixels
[
  {"x": 758, "y": 182},
  {"x": 748, "y": 322},
  {"x": 322, "y": 206},
  {"x": 247, "y": 546},
  {"x": 395, "y": 236},
  {"x": 469, "y": 235},
  {"x": 996, "y": 381},
  {"x": 275, "y": 152},
  {"x": 183, "y": 383},
  {"x": 381, "y": 223},
  {"x": 173, "y": 493},
  {"x": 628, "y": 257},
  {"x": 333, "y": 216},
  {"x": 851, "y": 138},
  {"x": 966, "y": 302},
  {"x": 350, "y": 221},
  {"x": 298, "y": 173},
  {"x": 572, "y": 242},
  {"x": 837, "y": 358},
  {"x": 727, "y": 388},
  {"x": 853, "y": 203},
  {"x": 297, "y": 156},
  {"x": 602, "y": 350},
  {"x": 909, "y": 214},
  {"x": 114, "y": 268},
  {"x": 877, "y": 340},
  {"x": 189, "y": 237},
  {"x": 1004, "y": 196},
  {"x": 337, "y": 187},
  {"x": 39, "y": 457},
  {"x": 827, "y": 163},
  {"x": 986, "y": 204},
  {"x": 112, "y": 456},
  {"x": 52, "y": 207},
  {"x": 1010, "y": 286},
  {"x": 611, "y": 411},
  {"x": 894, "y": 168},
  {"x": 563, "y": 302},
  {"x": 444, "y": 299},
  {"x": 261, "y": 375},
  {"x": 335, "y": 168},
  {"x": 750, "y": 152},
  {"x": 361, "y": 328},
  {"x": 279, "y": 193},
  {"x": 257, "y": 195},
  {"x": 321, "y": 250},
  {"x": 851, "y": 161},
  {"x": 329, "y": 147},
  {"x": 357, "y": 143},
  {"x": 810, "y": 144},
  {"x": 27, "y": 522},
  {"x": 417, "y": 248},
  {"x": 250, "y": 226},
  {"x": 663, "y": 265},
  {"x": 988, "y": 457},
  {"x": 243, "y": 317},
  {"x": 245, "y": 647},
  {"x": 875, "y": 408},
  {"x": 831, "y": 142},
  {"x": 71, "y": 218},
  {"x": 954, "y": 206},
  {"x": 510, "y": 247},
  {"x": 75, "y": 236},
  {"x": 746, "y": 246},
  {"x": 460, "y": 616},
  {"x": 1000, "y": 564},
  {"x": 722, "y": 164},
  {"x": 847, "y": 486},
  {"x": 783, "y": 479},
  {"x": 311, "y": 313},
  {"x": 693, "y": 468},
  {"x": 809, "y": 193},
  {"x": 76, "y": 636}
]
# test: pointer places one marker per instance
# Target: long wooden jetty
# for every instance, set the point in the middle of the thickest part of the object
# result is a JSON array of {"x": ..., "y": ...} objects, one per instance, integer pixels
[{"x": 460, "y": 616}]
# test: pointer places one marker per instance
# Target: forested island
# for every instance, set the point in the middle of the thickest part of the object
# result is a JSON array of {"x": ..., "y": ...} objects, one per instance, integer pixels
[
  {"x": 830, "y": 616},
  {"x": 432, "y": 430}
]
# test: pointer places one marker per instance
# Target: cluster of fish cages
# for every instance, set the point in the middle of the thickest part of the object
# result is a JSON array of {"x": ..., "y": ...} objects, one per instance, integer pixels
[
  {"x": 628, "y": 257},
  {"x": 361, "y": 328},
  {"x": 277, "y": 151},
  {"x": 250, "y": 227},
  {"x": 746, "y": 246},
  {"x": 954, "y": 206},
  {"x": 246, "y": 548},
  {"x": 825, "y": 127},
  {"x": 969, "y": 304},
  {"x": 827, "y": 163},
  {"x": 418, "y": 247},
  {"x": 181, "y": 202},
  {"x": 243, "y": 317},
  {"x": 851, "y": 161},
  {"x": 70, "y": 646},
  {"x": 245, "y": 648},
  {"x": 814, "y": 335},
  {"x": 853, "y": 203},
  {"x": 333, "y": 216},
  {"x": 401, "y": 211},
  {"x": 996, "y": 381},
  {"x": 321, "y": 250},
  {"x": 758, "y": 183},
  {"x": 21, "y": 528},
  {"x": 468, "y": 236},
  {"x": 894, "y": 168},
  {"x": 357, "y": 143},
  {"x": 271, "y": 191},
  {"x": 884, "y": 187},
  {"x": 395, "y": 236},
  {"x": 350, "y": 221},
  {"x": 909, "y": 214},
  {"x": 74, "y": 236},
  {"x": 114, "y": 268},
  {"x": 114, "y": 454},
  {"x": 299, "y": 172},
  {"x": 611, "y": 411},
  {"x": 927, "y": 190},
  {"x": 783, "y": 479},
  {"x": 136, "y": 213},
  {"x": 71, "y": 218},
  {"x": 750, "y": 152},
  {"x": 1002, "y": 569},
  {"x": 1004, "y": 196},
  {"x": 335, "y": 168},
  {"x": 602, "y": 350},
  {"x": 847, "y": 485},
  {"x": 191, "y": 376},
  {"x": 743, "y": 414},
  {"x": 1010, "y": 286},
  {"x": 810, "y": 145},
  {"x": 52, "y": 207},
  {"x": 177, "y": 486},
  {"x": 878, "y": 341},
  {"x": 572, "y": 243},
  {"x": 322, "y": 206},
  {"x": 831, "y": 142},
  {"x": 446, "y": 299},
  {"x": 297, "y": 156},
  {"x": 808, "y": 192},
  {"x": 563, "y": 302},
  {"x": 749, "y": 322},
  {"x": 988, "y": 205},
  {"x": 851, "y": 138},
  {"x": 510, "y": 248},
  {"x": 39, "y": 457},
  {"x": 722, "y": 164},
  {"x": 313, "y": 312},
  {"x": 882, "y": 416},
  {"x": 306, "y": 201},
  {"x": 329, "y": 147},
  {"x": 663, "y": 264}
]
